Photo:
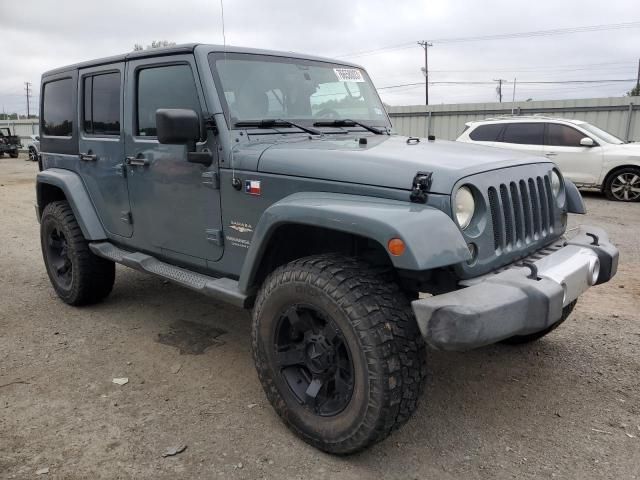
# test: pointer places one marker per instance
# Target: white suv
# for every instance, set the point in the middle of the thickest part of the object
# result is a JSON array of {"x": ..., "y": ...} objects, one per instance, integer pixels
[{"x": 585, "y": 154}]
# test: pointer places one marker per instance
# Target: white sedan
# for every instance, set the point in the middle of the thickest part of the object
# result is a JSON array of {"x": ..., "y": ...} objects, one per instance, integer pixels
[{"x": 586, "y": 154}]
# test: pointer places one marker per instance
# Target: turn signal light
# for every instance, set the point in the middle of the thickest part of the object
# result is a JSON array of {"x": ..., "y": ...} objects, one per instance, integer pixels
[{"x": 396, "y": 247}]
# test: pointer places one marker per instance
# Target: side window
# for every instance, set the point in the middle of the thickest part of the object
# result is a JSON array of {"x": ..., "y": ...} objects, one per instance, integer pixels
[
  {"x": 524, "y": 133},
  {"x": 171, "y": 86},
  {"x": 57, "y": 109},
  {"x": 102, "y": 104},
  {"x": 563, "y": 136},
  {"x": 487, "y": 133}
]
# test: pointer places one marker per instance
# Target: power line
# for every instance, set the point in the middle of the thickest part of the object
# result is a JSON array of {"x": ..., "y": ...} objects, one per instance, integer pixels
[
  {"x": 501, "y": 36},
  {"x": 537, "y": 82}
]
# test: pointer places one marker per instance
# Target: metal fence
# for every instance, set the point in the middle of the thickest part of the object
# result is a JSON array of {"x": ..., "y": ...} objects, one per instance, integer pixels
[
  {"x": 22, "y": 128},
  {"x": 617, "y": 115}
]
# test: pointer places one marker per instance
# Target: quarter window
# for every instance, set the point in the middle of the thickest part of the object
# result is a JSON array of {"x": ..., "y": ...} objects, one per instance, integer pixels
[
  {"x": 170, "y": 86},
  {"x": 487, "y": 133},
  {"x": 563, "y": 136},
  {"x": 102, "y": 104},
  {"x": 57, "y": 109},
  {"x": 524, "y": 133}
]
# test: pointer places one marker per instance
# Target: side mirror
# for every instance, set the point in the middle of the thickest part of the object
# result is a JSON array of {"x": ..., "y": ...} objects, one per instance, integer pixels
[
  {"x": 178, "y": 126},
  {"x": 587, "y": 142}
]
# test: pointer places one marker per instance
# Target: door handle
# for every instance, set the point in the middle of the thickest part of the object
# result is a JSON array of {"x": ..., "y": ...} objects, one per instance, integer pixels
[
  {"x": 551, "y": 154},
  {"x": 88, "y": 157},
  {"x": 136, "y": 161}
]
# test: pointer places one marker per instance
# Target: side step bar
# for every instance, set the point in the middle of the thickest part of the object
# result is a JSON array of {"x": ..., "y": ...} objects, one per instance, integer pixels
[{"x": 224, "y": 289}]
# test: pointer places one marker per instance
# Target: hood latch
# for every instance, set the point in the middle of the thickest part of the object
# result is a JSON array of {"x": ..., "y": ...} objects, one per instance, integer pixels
[{"x": 420, "y": 187}]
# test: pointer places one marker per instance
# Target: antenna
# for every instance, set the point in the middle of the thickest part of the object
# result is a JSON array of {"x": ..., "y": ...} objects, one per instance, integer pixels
[{"x": 234, "y": 181}]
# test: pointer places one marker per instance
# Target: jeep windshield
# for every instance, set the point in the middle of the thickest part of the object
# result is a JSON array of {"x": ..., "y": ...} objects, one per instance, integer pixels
[{"x": 305, "y": 92}]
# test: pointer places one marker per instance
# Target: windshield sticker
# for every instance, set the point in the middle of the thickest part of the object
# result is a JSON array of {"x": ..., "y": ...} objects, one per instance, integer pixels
[{"x": 349, "y": 75}]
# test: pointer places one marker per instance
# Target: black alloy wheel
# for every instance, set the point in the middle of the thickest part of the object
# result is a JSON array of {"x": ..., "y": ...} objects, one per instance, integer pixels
[{"x": 314, "y": 360}]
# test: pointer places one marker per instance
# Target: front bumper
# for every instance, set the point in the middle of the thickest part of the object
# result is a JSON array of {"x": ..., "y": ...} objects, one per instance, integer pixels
[{"x": 523, "y": 298}]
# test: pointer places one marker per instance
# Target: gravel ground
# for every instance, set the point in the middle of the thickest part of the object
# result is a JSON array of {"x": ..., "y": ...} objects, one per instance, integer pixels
[{"x": 567, "y": 406}]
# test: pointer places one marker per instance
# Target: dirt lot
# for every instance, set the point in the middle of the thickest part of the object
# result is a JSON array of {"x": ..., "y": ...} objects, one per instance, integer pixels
[{"x": 565, "y": 407}]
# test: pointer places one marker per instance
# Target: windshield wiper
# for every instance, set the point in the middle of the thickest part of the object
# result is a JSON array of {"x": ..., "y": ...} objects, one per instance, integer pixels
[
  {"x": 347, "y": 122},
  {"x": 276, "y": 122}
]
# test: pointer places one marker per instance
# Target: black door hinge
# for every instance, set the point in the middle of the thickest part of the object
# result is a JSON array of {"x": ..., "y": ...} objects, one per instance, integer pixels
[
  {"x": 210, "y": 124},
  {"x": 214, "y": 236},
  {"x": 420, "y": 187},
  {"x": 126, "y": 217},
  {"x": 211, "y": 180}
]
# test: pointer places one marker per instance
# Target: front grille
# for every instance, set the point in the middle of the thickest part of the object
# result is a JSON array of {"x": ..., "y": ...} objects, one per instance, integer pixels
[{"x": 522, "y": 212}]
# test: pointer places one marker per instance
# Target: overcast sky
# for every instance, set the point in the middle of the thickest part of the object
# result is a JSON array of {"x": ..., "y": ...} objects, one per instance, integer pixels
[{"x": 40, "y": 34}]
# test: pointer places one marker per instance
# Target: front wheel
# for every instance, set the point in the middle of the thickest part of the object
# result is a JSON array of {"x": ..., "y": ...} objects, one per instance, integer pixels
[
  {"x": 14, "y": 153},
  {"x": 33, "y": 155},
  {"x": 624, "y": 185},
  {"x": 338, "y": 351}
]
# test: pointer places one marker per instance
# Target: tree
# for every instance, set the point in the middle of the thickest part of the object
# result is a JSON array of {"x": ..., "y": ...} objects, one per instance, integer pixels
[
  {"x": 634, "y": 92},
  {"x": 154, "y": 44}
]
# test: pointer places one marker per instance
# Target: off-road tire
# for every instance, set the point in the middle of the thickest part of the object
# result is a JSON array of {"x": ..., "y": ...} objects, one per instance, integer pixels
[
  {"x": 376, "y": 320},
  {"x": 532, "y": 337},
  {"x": 609, "y": 184},
  {"x": 92, "y": 277},
  {"x": 14, "y": 153}
]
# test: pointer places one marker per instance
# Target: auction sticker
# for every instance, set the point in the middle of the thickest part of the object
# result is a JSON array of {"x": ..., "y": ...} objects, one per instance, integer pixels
[{"x": 349, "y": 75}]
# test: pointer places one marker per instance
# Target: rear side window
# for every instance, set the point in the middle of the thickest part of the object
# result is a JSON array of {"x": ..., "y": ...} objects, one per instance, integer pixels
[
  {"x": 57, "y": 109},
  {"x": 524, "y": 133},
  {"x": 487, "y": 133},
  {"x": 563, "y": 136},
  {"x": 102, "y": 104},
  {"x": 170, "y": 86}
]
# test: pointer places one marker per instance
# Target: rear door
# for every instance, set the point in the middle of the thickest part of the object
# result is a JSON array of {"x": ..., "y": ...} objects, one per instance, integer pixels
[
  {"x": 523, "y": 136},
  {"x": 101, "y": 145},
  {"x": 175, "y": 204},
  {"x": 486, "y": 134},
  {"x": 579, "y": 164}
]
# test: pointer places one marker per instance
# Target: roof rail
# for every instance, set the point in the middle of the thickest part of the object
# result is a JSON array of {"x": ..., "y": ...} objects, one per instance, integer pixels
[{"x": 535, "y": 115}]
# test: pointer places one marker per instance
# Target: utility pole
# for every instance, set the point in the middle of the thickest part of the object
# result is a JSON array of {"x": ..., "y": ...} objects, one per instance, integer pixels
[
  {"x": 499, "y": 87},
  {"x": 27, "y": 87},
  {"x": 424, "y": 44},
  {"x": 638, "y": 80}
]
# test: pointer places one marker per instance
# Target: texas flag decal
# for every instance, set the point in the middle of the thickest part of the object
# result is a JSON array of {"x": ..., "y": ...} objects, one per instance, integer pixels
[{"x": 252, "y": 187}]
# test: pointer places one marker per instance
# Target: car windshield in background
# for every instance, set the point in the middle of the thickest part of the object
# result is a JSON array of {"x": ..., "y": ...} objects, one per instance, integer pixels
[
  {"x": 258, "y": 88},
  {"x": 601, "y": 134}
]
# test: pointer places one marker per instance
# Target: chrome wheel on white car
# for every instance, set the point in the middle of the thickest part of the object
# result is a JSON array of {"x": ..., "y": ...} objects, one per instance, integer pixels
[{"x": 624, "y": 185}]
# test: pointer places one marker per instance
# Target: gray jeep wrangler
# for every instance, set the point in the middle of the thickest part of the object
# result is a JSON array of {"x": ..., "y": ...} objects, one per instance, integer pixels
[{"x": 273, "y": 181}]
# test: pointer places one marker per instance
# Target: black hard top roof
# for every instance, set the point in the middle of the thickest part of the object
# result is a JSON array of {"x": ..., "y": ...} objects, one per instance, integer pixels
[{"x": 185, "y": 48}]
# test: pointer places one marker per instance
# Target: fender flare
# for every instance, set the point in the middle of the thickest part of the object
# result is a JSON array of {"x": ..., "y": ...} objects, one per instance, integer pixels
[
  {"x": 575, "y": 204},
  {"x": 76, "y": 194},
  {"x": 432, "y": 238}
]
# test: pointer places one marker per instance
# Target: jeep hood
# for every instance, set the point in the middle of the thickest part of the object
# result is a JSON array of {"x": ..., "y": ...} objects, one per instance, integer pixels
[{"x": 387, "y": 161}]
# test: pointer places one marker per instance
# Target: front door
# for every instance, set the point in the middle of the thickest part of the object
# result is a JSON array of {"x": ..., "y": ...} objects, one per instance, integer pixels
[
  {"x": 175, "y": 205},
  {"x": 101, "y": 144},
  {"x": 579, "y": 164}
]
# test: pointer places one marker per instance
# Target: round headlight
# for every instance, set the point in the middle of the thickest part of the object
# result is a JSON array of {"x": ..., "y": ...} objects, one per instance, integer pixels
[
  {"x": 465, "y": 206},
  {"x": 556, "y": 183}
]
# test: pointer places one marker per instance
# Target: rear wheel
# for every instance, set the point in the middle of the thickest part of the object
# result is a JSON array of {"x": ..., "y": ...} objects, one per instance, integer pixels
[
  {"x": 624, "y": 185},
  {"x": 519, "y": 339},
  {"x": 337, "y": 351},
  {"x": 78, "y": 276}
]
